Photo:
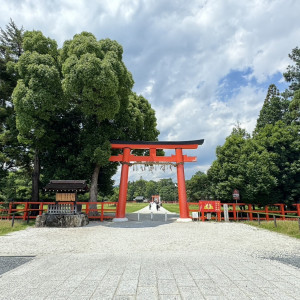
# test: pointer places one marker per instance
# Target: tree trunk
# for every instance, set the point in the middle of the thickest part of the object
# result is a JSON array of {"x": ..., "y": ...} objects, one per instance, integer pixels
[
  {"x": 94, "y": 190},
  {"x": 36, "y": 177},
  {"x": 35, "y": 182}
]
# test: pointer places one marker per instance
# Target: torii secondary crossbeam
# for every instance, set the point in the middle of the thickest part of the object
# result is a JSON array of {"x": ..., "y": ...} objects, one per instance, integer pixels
[{"x": 126, "y": 158}]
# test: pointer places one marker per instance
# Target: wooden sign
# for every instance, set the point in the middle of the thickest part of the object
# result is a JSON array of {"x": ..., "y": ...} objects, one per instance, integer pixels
[
  {"x": 66, "y": 197},
  {"x": 210, "y": 206}
]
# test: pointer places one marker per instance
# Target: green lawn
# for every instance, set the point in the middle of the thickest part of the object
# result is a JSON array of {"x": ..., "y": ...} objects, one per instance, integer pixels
[
  {"x": 5, "y": 226},
  {"x": 133, "y": 207},
  {"x": 290, "y": 228},
  {"x": 171, "y": 207},
  {"x": 175, "y": 207},
  {"x": 193, "y": 207}
]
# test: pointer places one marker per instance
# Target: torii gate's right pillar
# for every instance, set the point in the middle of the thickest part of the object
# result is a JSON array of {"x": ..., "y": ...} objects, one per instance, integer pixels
[{"x": 183, "y": 207}]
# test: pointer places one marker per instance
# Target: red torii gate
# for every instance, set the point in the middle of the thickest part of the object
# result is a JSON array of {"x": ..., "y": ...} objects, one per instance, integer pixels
[{"x": 179, "y": 159}]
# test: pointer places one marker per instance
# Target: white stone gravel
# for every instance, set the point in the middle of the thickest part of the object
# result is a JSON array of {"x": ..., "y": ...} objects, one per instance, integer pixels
[{"x": 152, "y": 260}]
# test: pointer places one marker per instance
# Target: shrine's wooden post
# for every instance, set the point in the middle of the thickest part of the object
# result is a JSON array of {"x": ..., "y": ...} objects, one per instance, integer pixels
[{"x": 126, "y": 159}]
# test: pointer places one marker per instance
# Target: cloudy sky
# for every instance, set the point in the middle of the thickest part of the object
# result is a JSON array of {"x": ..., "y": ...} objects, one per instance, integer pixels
[{"x": 204, "y": 65}]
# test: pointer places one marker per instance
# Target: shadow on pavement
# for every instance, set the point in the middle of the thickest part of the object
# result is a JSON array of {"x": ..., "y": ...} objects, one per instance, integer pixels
[
  {"x": 144, "y": 221},
  {"x": 288, "y": 260},
  {"x": 8, "y": 263}
]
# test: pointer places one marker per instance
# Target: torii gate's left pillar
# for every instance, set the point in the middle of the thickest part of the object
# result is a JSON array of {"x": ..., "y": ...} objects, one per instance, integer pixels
[{"x": 121, "y": 209}]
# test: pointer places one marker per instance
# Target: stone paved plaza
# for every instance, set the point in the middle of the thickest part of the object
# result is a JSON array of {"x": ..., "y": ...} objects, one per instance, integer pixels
[{"x": 151, "y": 260}]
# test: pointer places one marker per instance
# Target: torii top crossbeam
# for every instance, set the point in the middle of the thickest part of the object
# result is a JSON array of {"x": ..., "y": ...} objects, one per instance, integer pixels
[
  {"x": 157, "y": 144},
  {"x": 153, "y": 146}
]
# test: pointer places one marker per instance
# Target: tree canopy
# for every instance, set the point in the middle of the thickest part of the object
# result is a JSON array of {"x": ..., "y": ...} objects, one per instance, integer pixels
[
  {"x": 13, "y": 154},
  {"x": 67, "y": 105},
  {"x": 37, "y": 96},
  {"x": 275, "y": 108}
]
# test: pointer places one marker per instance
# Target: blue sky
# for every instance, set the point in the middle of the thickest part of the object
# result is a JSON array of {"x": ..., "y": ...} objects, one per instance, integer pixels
[
  {"x": 204, "y": 65},
  {"x": 230, "y": 84}
]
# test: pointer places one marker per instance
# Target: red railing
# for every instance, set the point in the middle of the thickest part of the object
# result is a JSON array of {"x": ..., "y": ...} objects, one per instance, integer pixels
[
  {"x": 99, "y": 212},
  {"x": 23, "y": 210},
  {"x": 107, "y": 210},
  {"x": 243, "y": 212}
]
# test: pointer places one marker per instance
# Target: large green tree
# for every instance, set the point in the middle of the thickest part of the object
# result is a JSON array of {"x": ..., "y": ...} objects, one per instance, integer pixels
[
  {"x": 198, "y": 187},
  {"x": 136, "y": 121},
  {"x": 277, "y": 131},
  {"x": 97, "y": 83},
  {"x": 11, "y": 151},
  {"x": 13, "y": 154},
  {"x": 282, "y": 141},
  {"x": 37, "y": 97},
  {"x": 71, "y": 102},
  {"x": 243, "y": 164}
]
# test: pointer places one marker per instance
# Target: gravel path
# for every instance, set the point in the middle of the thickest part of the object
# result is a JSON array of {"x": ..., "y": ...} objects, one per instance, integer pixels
[{"x": 152, "y": 260}]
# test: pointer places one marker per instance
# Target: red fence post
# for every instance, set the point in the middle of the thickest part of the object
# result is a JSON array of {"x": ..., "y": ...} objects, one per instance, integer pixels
[
  {"x": 234, "y": 211},
  {"x": 9, "y": 209},
  {"x": 282, "y": 212},
  {"x": 25, "y": 213},
  {"x": 102, "y": 211},
  {"x": 250, "y": 209},
  {"x": 267, "y": 212},
  {"x": 41, "y": 208},
  {"x": 202, "y": 213},
  {"x": 87, "y": 208},
  {"x": 298, "y": 209}
]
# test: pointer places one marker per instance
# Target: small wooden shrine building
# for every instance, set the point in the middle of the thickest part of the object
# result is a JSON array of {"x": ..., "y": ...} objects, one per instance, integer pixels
[
  {"x": 65, "y": 212},
  {"x": 67, "y": 190}
]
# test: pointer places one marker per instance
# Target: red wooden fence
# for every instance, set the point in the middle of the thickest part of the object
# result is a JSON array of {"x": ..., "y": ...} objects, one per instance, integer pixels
[
  {"x": 22, "y": 210},
  {"x": 107, "y": 210},
  {"x": 244, "y": 212}
]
